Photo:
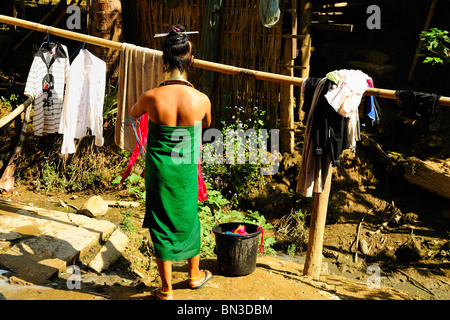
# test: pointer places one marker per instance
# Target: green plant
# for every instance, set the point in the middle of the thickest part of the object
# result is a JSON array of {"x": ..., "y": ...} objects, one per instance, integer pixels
[
  {"x": 291, "y": 233},
  {"x": 110, "y": 104},
  {"x": 236, "y": 170},
  {"x": 127, "y": 223},
  {"x": 49, "y": 176},
  {"x": 292, "y": 249},
  {"x": 436, "y": 46},
  {"x": 8, "y": 102},
  {"x": 135, "y": 185}
]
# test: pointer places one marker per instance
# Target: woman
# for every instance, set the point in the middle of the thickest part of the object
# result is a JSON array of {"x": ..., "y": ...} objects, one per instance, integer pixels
[{"x": 176, "y": 113}]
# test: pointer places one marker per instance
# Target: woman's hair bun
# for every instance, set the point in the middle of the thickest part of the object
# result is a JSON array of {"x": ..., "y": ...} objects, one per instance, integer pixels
[
  {"x": 176, "y": 49},
  {"x": 177, "y": 35}
]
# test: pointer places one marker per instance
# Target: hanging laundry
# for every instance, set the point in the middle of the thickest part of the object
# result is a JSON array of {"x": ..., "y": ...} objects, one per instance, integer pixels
[
  {"x": 47, "y": 77},
  {"x": 139, "y": 71},
  {"x": 143, "y": 127},
  {"x": 202, "y": 191},
  {"x": 345, "y": 97},
  {"x": 331, "y": 107},
  {"x": 308, "y": 87},
  {"x": 83, "y": 101},
  {"x": 418, "y": 105},
  {"x": 372, "y": 113},
  {"x": 324, "y": 136},
  {"x": 334, "y": 76},
  {"x": 269, "y": 12}
]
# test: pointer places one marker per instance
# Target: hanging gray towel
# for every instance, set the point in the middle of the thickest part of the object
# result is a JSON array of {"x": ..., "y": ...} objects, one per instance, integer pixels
[{"x": 269, "y": 12}]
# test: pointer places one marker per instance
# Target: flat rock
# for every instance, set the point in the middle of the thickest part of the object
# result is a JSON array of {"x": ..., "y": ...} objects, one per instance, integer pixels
[
  {"x": 49, "y": 240},
  {"x": 110, "y": 252}
]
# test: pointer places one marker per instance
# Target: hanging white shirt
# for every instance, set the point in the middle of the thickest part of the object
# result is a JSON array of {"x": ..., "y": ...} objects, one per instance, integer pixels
[
  {"x": 345, "y": 98},
  {"x": 83, "y": 101}
]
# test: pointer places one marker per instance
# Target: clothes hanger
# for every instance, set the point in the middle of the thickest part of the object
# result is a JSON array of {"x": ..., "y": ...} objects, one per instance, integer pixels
[
  {"x": 82, "y": 47},
  {"x": 47, "y": 42}
]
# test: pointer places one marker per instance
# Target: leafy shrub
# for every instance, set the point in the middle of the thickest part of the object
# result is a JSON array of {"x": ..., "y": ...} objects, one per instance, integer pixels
[{"x": 436, "y": 46}]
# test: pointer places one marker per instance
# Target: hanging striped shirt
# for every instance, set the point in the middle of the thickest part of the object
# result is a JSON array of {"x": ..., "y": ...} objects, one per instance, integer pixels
[{"x": 49, "y": 59}]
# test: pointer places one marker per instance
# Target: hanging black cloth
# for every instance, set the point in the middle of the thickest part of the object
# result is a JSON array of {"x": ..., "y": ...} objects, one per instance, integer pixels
[
  {"x": 327, "y": 126},
  {"x": 418, "y": 105},
  {"x": 309, "y": 86}
]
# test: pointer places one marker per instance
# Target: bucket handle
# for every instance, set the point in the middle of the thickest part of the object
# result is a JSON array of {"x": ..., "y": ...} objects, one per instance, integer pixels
[{"x": 262, "y": 239}]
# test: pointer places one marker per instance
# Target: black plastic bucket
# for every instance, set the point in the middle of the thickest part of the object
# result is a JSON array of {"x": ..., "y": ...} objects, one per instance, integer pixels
[{"x": 236, "y": 254}]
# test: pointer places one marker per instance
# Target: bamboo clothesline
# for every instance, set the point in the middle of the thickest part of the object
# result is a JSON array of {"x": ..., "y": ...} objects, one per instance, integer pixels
[
  {"x": 203, "y": 64},
  {"x": 312, "y": 265}
]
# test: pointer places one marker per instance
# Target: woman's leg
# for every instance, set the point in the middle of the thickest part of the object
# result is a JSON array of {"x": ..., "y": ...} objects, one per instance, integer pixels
[
  {"x": 165, "y": 272},
  {"x": 197, "y": 277},
  {"x": 194, "y": 266}
]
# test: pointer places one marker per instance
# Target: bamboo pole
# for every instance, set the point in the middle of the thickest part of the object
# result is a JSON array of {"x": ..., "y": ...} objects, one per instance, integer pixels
[
  {"x": 7, "y": 179},
  {"x": 203, "y": 64},
  {"x": 17, "y": 111},
  {"x": 425, "y": 27},
  {"x": 287, "y": 91}
]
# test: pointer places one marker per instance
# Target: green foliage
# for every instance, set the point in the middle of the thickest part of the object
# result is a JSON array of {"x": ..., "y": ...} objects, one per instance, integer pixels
[
  {"x": 127, "y": 223},
  {"x": 436, "y": 46},
  {"x": 8, "y": 102},
  {"x": 135, "y": 185},
  {"x": 237, "y": 178},
  {"x": 217, "y": 210},
  {"x": 110, "y": 103}
]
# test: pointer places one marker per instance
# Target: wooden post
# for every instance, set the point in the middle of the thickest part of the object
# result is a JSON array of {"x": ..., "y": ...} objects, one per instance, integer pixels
[
  {"x": 287, "y": 105},
  {"x": 7, "y": 179},
  {"x": 287, "y": 90},
  {"x": 305, "y": 46},
  {"x": 317, "y": 226},
  {"x": 305, "y": 24}
]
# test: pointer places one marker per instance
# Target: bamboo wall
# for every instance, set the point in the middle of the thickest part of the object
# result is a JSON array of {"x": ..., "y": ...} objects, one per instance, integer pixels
[
  {"x": 244, "y": 42},
  {"x": 247, "y": 43}
]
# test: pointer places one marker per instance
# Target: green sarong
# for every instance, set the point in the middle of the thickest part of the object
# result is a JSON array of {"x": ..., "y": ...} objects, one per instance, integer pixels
[{"x": 172, "y": 191}]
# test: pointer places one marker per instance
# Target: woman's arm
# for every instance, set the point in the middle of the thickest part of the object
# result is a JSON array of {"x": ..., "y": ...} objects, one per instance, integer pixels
[
  {"x": 140, "y": 107},
  {"x": 207, "y": 118}
]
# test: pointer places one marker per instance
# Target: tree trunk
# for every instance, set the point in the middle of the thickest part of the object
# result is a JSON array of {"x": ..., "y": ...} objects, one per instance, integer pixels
[{"x": 106, "y": 23}]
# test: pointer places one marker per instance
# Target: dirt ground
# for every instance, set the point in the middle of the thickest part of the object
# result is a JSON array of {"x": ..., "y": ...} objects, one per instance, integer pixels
[{"x": 276, "y": 277}]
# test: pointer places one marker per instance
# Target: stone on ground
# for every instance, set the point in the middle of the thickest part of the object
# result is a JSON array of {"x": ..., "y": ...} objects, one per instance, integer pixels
[
  {"x": 110, "y": 252},
  {"x": 95, "y": 206}
]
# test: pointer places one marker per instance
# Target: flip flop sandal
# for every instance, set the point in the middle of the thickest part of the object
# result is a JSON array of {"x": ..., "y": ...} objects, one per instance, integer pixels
[
  {"x": 208, "y": 277},
  {"x": 155, "y": 296}
]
